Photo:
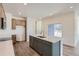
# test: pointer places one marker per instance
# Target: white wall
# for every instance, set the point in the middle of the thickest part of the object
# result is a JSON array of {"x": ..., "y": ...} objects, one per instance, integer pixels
[
  {"x": 67, "y": 19},
  {"x": 30, "y": 26},
  {"x": 76, "y": 14},
  {"x": 6, "y": 32}
]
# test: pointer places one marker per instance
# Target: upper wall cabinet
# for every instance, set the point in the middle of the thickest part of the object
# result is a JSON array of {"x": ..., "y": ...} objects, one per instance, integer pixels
[
  {"x": 2, "y": 17},
  {"x": 18, "y": 22}
]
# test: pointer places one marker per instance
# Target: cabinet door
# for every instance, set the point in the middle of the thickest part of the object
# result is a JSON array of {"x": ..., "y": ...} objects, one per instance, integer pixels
[
  {"x": 13, "y": 24},
  {"x": 44, "y": 49},
  {"x": 47, "y": 50},
  {"x": 56, "y": 49},
  {"x": 20, "y": 22},
  {"x": 39, "y": 47},
  {"x": 31, "y": 41},
  {"x": 14, "y": 39},
  {"x": 35, "y": 43}
]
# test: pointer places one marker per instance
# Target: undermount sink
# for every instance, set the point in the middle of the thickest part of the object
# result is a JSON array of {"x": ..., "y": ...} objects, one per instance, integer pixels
[
  {"x": 4, "y": 39},
  {"x": 41, "y": 36}
]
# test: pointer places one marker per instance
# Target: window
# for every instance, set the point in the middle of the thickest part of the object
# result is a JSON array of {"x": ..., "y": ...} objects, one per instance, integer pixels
[
  {"x": 55, "y": 30},
  {"x": 39, "y": 27}
]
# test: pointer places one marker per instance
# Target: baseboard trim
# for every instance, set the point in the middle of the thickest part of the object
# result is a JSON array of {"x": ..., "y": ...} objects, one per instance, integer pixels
[{"x": 68, "y": 45}]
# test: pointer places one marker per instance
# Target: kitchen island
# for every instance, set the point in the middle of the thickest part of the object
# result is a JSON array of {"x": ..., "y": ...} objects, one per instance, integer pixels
[{"x": 46, "y": 46}]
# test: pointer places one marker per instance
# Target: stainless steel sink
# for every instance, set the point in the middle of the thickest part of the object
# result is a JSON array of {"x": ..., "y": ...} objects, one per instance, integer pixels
[
  {"x": 4, "y": 39},
  {"x": 41, "y": 36}
]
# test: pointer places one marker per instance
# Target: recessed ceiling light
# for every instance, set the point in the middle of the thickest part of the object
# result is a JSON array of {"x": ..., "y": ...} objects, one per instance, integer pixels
[
  {"x": 19, "y": 13},
  {"x": 40, "y": 18},
  {"x": 71, "y": 7},
  {"x": 50, "y": 14},
  {"x": 25, "y": 3}
]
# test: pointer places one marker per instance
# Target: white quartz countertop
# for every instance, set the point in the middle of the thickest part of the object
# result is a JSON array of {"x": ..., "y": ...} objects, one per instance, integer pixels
[
  {"x": 49, "y": 39},
  {"x": 6, "y": 48}
]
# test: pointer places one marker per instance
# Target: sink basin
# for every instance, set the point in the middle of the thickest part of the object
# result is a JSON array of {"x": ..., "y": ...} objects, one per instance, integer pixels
[
  {"x": 41, "y": 36},
  {"x": 4, "y": 39}
]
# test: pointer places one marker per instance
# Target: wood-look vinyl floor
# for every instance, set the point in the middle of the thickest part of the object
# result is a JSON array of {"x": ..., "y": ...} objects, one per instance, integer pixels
[
  {"x": 23, "y": 49},
  {"x": 71, "y": 51}
]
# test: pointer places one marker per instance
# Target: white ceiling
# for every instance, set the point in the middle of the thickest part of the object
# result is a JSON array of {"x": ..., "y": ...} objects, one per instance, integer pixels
[{"x": 37, "y": 10}]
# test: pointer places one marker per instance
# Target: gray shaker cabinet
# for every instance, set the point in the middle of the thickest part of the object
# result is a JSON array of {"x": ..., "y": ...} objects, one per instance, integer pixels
[{"x": 45, "y": 48}]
